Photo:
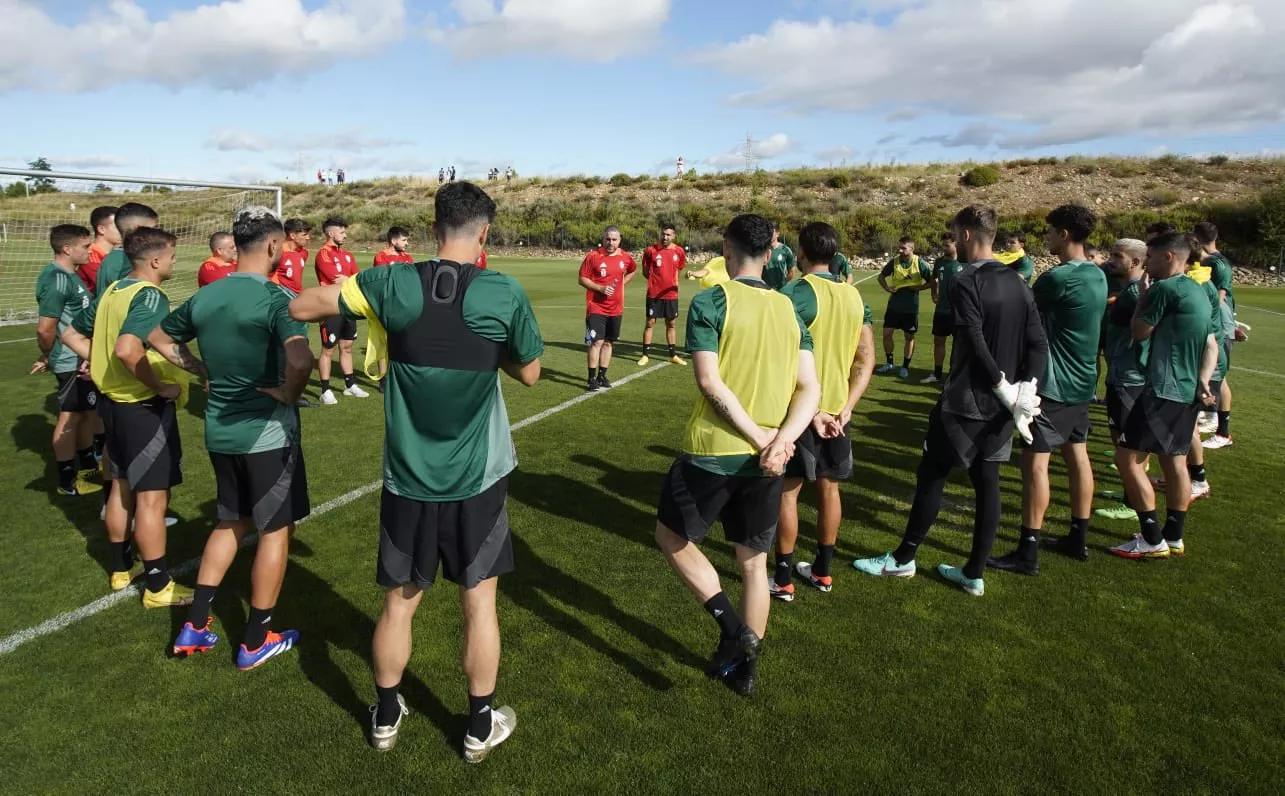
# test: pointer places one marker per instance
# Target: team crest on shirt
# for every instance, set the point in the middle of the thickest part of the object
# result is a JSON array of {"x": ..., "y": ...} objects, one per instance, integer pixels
[{"x": 602, "y": 271}]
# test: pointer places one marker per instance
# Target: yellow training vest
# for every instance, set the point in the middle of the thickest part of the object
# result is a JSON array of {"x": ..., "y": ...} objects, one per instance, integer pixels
[
  {"x": 835, "y": 331},
  {"x": 905, "y": 274},
  {"x": 376, "y": 335},
  {"x": 758, "y": 359},
  {"x": 1200, "y": 274},
  {"x": 110, "y": 374},
  {"x": 715, "y": 273}
]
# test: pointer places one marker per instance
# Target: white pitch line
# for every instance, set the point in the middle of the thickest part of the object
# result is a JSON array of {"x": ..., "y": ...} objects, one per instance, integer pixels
[
  {"x": 1259, "y": 372},
  {"x": 1259, "y": 309},
  {"x": 22, "y": 340},
  {"x": 65, "y": 620}
]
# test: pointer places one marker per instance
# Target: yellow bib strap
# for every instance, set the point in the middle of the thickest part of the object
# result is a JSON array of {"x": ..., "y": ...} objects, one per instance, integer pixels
[{"x": 376, "y": 336}]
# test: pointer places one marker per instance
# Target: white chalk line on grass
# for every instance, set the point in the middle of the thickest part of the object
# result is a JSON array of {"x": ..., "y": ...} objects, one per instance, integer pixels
[
  {"x": 1259, "y": 309},
  {"x": 21, "y": 340},
  {"x": 1259, "y": 372},
  {"x": 65, "y": 620}
]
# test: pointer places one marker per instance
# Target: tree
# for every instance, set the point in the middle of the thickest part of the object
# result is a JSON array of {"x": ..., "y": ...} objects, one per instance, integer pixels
[
  {"x": 102, "y": 187},
  {"x": 41, "y": 184}
]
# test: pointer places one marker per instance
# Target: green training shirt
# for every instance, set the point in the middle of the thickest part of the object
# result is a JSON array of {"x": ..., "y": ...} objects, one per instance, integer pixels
[
  {"x": 839, "y": 266},
  {"x": 1071, "y": 298},
  {"x": 779, "y": 265},
  {"x": 944, "y": 271},
  {"x": 60, "y": 294},
  {"x": 705, "y": 318},
  {"x": 1179, "y": 310},
  {"x": 1220, "y": 274},
  {"x": 447, "y": 431},
  {"x": 906, "y": 300},
  {"x": 1215, "y": 321},
  {"x": 115, "y": 266},
  {"x": 241, "y": 323},
  {"x": 1124, "y": 355},
  {"x": 1025, "y": 268}
]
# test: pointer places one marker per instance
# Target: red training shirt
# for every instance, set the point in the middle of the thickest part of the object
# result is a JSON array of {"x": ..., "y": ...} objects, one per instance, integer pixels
[
  {"x": 604, "y": 269},
  {"x": 661, "y": 266},
  {"x": 89, "y": 271},
  {"x": 289, "y": 273},
  {"x": 333, "y": 262},
  {"x": 212, "y": 271},
  {"x": 388, "y": 258}
]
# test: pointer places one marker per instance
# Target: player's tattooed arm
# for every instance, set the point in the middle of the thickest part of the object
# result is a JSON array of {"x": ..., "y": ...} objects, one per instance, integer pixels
[
  {"x": 177, "y": 353},
  {"x": 725, "y": 402}
]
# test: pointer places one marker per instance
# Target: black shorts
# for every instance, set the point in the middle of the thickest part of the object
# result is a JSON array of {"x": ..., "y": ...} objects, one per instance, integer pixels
[
  {"x": 960, "y": 441},
  {"x": 143, "y": 443},
  {"x": 270, "y": 487},
  {"x": 816, "y": 457},
  {"x": 1059, "y": 424},
  {"x": 469, "y": 538},
  {"x": 662, "y": 308},
  {"x": 603, "y": 327},
  {"x": 75, "y": 394},
  {"x": 1120, "y": 401},
  {"x": 907, "y": 322},
  {"x": 335, "y": 329},
  {"x": 943, "y": 324},
  {"x": 693, "y": 499},
  {"x": 1155, "y": 425}
]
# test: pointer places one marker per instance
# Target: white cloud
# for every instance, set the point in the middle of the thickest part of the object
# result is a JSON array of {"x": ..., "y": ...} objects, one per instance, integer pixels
[
  {"x": 585, "y": 30},
  {"x": 1031, "y": 73},
  {"x": 350, "y": 139},
  {"x": 771, "y": 147},
  {"x": 87, "y": 162},
  {"x": 230, "y": 44},
  {"x": 836, "y": 153}
]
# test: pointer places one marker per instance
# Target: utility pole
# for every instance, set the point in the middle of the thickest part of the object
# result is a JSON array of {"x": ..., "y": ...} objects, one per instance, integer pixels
[{"x": 751, "y": 157}]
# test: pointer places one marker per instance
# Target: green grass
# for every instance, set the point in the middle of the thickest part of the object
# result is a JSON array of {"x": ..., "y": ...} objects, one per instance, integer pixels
[{"x": 1110, "y": 676}]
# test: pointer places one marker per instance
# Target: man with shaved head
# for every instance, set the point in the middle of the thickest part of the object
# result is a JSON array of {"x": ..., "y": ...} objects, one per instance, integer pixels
[{"x": 222, "y": 260}]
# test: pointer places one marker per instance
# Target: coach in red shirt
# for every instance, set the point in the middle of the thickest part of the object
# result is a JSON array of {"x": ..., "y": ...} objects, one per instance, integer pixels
[
  {"x": 604, "y": 274},
  {"x": 334, "y": 265},
  {"x": 222, "y": 260},
  {"x": 661, "y": 264},
  {"x": 398, "y": 239}
]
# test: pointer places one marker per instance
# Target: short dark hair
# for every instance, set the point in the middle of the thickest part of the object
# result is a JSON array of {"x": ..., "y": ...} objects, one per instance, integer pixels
[
  {"x": 1205, "y": 232},
  {"x": 1175, "y": 242},
  {"x": 947, "y": 237},
  {"x": 668, "y": 225},
  {"x": 1090, "y": 250},
  {"x": 1194, "y": 256},
  {"x": 749, "y": 235},
  {"x": 294, "y": 225},
  {"x": 217, "y": 238},
  {"x": 978, "y": 219},
  {"x": 905, "y": 240},
  {"x": 1075, "y": 220},
  {"x": 130, "y": 213},
  {"x": 1017, "y": 236},
  {"x": 253, "y": 225},
  {"x": 65, "y": 235},
  {"x": 819, "y": 242},
  {"x": 100, "y": 216},
  {"x": 396, "y": 232},
  {"x": 146, "y": 242},
  {"x": 462, "y": 205},
  {"x": 332, "y": 222},
  {"x": 1161, "y": 228}
]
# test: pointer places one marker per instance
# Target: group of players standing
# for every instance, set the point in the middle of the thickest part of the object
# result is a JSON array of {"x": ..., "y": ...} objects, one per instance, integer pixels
[{"x": 780, "y": 365}]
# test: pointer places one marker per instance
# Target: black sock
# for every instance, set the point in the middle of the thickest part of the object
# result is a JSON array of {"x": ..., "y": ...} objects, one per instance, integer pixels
[
  {"x": 719, "y": 607},
  {"x": 325, "y": 384},
  {"x": 1197, "y": 472},
  {"x": 199, "y": 613},
  {"x": 646, "y": 351},
  {"x": 937, "y": 371},
  {"x": 672, "y": 352},
  {"x": 257, "y": 627},
  {"x": 1150, "y": 527},
  {"x": 120, "y": 556},
  {"x": 602, "y": 373},
  {"x": 1079, "y": 532},
  {"x": 388, "y": 708},
  {"x": 593, "y": 374},
  {"x": 889, "y": 358},
  {"x": 1224, "y": 424},
  {"x": 349, "y": 380},
  {"x": 825, "y": 554},
  {"x": 156, "y": 573},
  {"x": 100, "y": 442},
  {"x": 479, "y": 716},
  {"x": 67, "y": 474},
  {"x": 1028, "y": 543},
  {"x": 905, "y": 363},
  {"x": 784, "y": 568},
  {"x": 1174, "y": 524},
  {"x": 88, "y": 461}
]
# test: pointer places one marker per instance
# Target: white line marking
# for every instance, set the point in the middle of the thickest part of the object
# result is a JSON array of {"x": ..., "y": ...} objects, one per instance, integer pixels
[
  {"x": 1259, "y": 372},
  {"x": 22, "y": 340},
  {"x": 62, "y": 621},
  {"x": 1259, "y": 309}
]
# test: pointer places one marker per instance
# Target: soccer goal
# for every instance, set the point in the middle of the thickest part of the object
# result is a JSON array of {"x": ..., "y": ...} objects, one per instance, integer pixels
[{"x": 33, "y": 201}]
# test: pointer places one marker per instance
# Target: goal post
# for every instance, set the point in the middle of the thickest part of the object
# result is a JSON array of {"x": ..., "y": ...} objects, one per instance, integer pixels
[{"x": 191, "y": 209}]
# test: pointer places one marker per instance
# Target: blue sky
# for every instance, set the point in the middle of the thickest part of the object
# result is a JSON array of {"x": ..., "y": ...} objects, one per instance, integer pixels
[{"x": 269, "y": 89}]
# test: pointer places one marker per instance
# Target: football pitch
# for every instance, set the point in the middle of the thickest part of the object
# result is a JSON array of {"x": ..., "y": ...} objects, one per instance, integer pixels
[{"x": 1106, "y": 676}]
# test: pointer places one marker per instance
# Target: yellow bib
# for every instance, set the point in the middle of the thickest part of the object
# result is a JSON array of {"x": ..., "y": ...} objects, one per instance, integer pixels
[
  {"x": 1008, "y": 258},
  {"x": 716, "y": 273},
  {"x": 835, "y": 331},
  {"x": 1200, "y": 274},
  {"x": 758, "y": 359},
  {"x": 110, "y": 374},
  {"x": 905, "y": 274},
  {"x": 376, "y": 334}
]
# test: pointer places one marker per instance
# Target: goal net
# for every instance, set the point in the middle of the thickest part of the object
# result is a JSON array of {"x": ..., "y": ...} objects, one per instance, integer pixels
[{"x": 31, "y": 205}]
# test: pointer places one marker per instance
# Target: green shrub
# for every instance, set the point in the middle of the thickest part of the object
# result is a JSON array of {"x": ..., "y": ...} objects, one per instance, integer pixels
[
  {"x": 1218, "y": 160},
  {"x": 981, "y": 176},
  {"x": 1161, "y": 197},
  {"x": 839, "y": 181},
  {"x": 1047, "y": 162},
  {"x": 621, "y": 179},
  {"x": 1086, "y": 169}
]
